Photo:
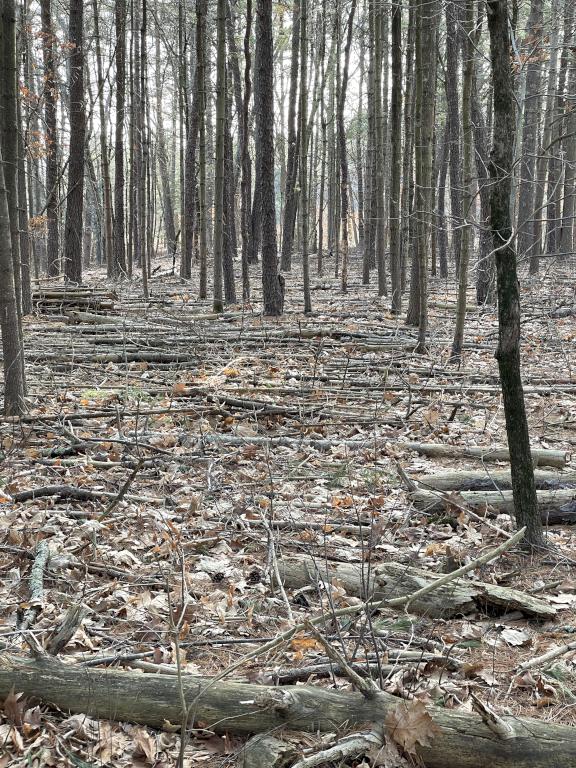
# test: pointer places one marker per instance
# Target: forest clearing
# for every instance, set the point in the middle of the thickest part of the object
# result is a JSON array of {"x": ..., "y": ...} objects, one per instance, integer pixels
[{"x": 287, "y": 450}]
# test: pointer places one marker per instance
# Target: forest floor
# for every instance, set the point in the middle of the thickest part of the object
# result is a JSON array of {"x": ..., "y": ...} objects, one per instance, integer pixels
[{"x": 177, "y": 415}]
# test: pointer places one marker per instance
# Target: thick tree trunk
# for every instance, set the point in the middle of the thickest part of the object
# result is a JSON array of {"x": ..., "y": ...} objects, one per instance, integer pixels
[{"x": 508, "y": 353}]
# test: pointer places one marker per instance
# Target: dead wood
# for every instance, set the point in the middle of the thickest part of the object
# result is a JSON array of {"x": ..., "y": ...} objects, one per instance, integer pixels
[
  {"x": 390, "y": 581},
  {"x": 472, "y": 480},
  {"x": 555, "y": 506},
  {"x": 462, "y": 741},
  {"x": 542, "y": 457},
  {"x": 36, "y": 586}
]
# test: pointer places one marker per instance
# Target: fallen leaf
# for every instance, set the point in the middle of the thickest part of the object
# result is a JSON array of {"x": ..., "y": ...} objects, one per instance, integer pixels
[{"x": 410, "y": 725}]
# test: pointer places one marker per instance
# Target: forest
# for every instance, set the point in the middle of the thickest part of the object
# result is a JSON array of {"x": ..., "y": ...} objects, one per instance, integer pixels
[{"x": 288, "y": 321}]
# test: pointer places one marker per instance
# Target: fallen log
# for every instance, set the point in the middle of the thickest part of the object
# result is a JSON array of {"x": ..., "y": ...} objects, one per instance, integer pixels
[
  {"x": 388, "y": 581},
  {"x": 555, "y": 506},
  {"x": 541, "y": 457},
  {"x": 472, "y": 480},
  {"x": 461, "y": 741}
]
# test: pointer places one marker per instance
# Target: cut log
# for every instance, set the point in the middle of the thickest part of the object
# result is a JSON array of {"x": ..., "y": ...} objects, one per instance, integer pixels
[
  {"x": 391, "y": 580},
  {"x": 541, "y": 457},
  {"x": 555, "y": 506},
  {"x": 472, "y": 480},
  {"x": 462, "y": 740}
]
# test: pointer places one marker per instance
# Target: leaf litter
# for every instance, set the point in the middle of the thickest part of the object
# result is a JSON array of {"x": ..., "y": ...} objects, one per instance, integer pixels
[{"x": 259, "y": 439}]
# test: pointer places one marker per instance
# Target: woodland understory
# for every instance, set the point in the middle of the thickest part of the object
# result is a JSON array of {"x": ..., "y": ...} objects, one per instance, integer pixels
[{"x": 188, "y": 488}]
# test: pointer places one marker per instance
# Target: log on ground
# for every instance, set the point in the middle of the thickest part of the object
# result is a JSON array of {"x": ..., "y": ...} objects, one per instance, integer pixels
[
  {"x": 462, "y": 741},
  {"x": 555, "y": 506},
  {"x": 392, "y": 580},
  {"x": 472, "y": 480}
]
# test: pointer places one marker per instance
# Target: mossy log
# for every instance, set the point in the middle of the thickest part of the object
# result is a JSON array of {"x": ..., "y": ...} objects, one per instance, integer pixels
[
  {"x": 391, "y": 580},
  {"x": 462, "y": 740}
]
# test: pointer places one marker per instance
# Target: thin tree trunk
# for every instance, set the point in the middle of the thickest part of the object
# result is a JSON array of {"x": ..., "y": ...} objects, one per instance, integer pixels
[
  {"x": 50, "y": 118},
  {"x": 264, "y": 109},
  {"x": 104, "y": 159},
  {"x": 73, "y": 239},
  {"x": 303, "y": 153},
  {"x": 508, "y": 353},
  {"x": 396, "y": 159},
  {"x": 119, "y": 262},
  {"x": 467, "y": 181},
  {"x": 245, "y": 157},
  {"x": 343, "y": 152},
  {"x": 532, "y": 108},
  {"x": 290, "y": 202},
  {"x": 218, "y": 301}
]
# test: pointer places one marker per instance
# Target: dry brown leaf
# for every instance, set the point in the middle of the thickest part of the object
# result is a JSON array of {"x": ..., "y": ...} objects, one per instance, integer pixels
[
  {"x": 410, "y": 725},
  {"x": 14, "y": 707},
  {"x": 145, "y": 745}
]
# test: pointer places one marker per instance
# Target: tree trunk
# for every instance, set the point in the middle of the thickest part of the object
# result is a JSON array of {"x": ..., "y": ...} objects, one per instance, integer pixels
[
  {"x": 530, "y": 128},
  {"x": 466, "y": 240},
  {"x": 396, "y": 160},
  {"x": 119, "y": 261},
  {"x": 218, "y": 301},
  {"x": 12, "y": 347},
  {"x": 75, "y": 193},
  {"x": 425, "y": 70},
  {"x": 535, "y": 247},
  {"x": 508, "y": 353},
  {"x": 104, "y": 159},
  {"x": 453, "y": 118},
  {"x": 50, "y": 117},
  {"x": 290, "y": 202},
  {"x": 343, "y": 151},
  {"x": 162, "y": 154},
  {"x": 264, "y": 109},
  {"x": 246, "y": 182}
]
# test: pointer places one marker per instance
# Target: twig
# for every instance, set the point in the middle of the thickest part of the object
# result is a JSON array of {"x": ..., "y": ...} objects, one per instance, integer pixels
[
  {"x": 122, "y": 492},
  {"x": 366, "y": 687},
  {"x": 553, "y": 654}
]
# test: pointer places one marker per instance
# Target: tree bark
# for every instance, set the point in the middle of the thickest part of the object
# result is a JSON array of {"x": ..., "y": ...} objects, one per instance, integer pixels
[
  {"x": 264, "y": 108},
  {"x": 463, "y": 740},
  {"x": 508, "y": 353},
  {"x": 50, "y": 117},
  {"x": 119, "y": 261},
  {"x": 75, "y": 193},
  {"x": 290, "y": 200},
  {"x": 396, "y": 160}
]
